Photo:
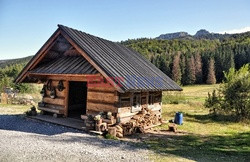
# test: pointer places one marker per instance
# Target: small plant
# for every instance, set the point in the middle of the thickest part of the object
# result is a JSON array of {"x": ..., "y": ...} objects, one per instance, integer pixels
[
  {"x": 31, "y": 112},
  {"x": 109, "y": 136}
]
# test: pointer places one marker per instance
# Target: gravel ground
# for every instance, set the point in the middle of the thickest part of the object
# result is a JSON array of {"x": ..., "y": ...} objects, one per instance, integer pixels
[{"x": 23, "y": 139}]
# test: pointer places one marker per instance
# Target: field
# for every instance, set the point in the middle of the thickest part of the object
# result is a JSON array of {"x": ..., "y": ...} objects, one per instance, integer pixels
[{"x": 202, "y": 137}]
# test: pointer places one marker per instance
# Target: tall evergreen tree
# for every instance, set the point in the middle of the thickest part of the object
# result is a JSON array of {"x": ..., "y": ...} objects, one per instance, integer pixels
[
  {"x": 183, "y": 69},
  {"x": 211, "y": 79},
  {"x": 176, "y": 70},
  {"x": 198, "y": 68},
  {"x": 190, "y": 71}
]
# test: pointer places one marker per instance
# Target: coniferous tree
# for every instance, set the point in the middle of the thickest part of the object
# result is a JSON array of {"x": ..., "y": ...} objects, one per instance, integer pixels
[
  {"x": 176, "y": 71},
  {"x": 211, "y": 79},
  {"x": 190, "y": 72},
  {"x": 198, "y": 68},
  {"x": 183, "y": 69}
]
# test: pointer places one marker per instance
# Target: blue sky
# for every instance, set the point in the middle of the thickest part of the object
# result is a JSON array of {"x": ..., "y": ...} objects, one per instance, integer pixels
[{"x": 26, "y": 24}]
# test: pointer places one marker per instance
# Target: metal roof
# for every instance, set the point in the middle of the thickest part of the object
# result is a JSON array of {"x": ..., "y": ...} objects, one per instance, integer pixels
[
  {"x": 120, "y": 62},
  {"x": 66, "y": 65}
]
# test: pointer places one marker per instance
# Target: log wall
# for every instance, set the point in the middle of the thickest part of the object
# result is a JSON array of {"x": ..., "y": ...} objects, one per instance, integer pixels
[{"x": 102, "y": 99}]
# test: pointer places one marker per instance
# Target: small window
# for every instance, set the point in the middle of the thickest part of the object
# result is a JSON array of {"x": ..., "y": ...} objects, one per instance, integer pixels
[{"x": 136, "y": 106}]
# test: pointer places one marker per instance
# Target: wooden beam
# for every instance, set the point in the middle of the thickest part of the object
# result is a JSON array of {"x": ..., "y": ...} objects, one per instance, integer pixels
[
  {"x": 66, "y": 101},
  {"x": 68, "y": 77},
  {"x": 84, "y": 54},
  {"x": 56, "y": 101}
]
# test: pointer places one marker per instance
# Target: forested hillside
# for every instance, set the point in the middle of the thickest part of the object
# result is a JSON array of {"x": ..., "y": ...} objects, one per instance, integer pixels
[
  {"x": 9, "y": 69},
  {"x": 195, "y": 61},
  {"x": 4, "y": 63},
  {"x": 186, "y": 61}
]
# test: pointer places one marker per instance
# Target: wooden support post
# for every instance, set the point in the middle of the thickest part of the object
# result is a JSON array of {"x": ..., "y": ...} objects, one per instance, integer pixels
[{"x": 66, "y": 101}]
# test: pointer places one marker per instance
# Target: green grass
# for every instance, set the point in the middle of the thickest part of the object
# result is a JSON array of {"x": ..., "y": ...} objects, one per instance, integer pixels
[
  {"x": 202, "y": 137},
  {"x": 13, "y": 109},
  {"x": 193, "y": 94}
]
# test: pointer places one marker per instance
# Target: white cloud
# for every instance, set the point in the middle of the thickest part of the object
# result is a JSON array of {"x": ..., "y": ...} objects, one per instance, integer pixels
[{"x": 233, "y": 31}]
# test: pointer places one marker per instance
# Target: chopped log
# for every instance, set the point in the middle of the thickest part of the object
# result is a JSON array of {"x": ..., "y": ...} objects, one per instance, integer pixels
[
  {"x": 172, "y": 127},
  {"x": 101, "y": 127},
  {"x": 110, "y": 121},
  {"x": 119, "y": 135},
  {"x": 112, "y": 131},
  {"x": 119, "y": 128}
]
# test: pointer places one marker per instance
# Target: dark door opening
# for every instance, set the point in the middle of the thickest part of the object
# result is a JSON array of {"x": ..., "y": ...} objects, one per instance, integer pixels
[{"x": 77, "y": 99}]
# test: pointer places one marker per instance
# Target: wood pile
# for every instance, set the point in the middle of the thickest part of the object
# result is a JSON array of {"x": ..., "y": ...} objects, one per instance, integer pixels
[
  {"x": 146, "y": 118},
  {"x": 138, "y": 124}
]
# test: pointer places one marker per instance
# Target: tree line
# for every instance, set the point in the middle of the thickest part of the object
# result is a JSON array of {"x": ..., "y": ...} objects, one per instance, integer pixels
[
  {"x": 9, "y": 73},
  {"x": 195, "y": 61}
]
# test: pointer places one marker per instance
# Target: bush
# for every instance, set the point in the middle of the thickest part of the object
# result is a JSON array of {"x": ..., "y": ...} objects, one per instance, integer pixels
[{"x": 233, "y": 95}]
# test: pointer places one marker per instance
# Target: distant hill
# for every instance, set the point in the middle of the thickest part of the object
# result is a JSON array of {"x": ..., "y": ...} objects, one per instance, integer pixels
[
  {"x": 176, "y": 35},
  {"x": 201, "y": 34},
  {"x": 4, "y": 63}
]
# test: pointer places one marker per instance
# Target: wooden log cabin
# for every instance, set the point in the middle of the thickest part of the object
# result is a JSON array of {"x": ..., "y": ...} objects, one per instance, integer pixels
[{"x": 85, "y": 74}]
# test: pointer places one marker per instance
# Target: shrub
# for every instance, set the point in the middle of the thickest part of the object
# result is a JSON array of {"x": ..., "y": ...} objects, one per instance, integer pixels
[{"x": 233, "y": 95}]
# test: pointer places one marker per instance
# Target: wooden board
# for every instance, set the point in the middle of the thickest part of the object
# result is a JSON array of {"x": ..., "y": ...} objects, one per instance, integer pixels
[
  {"x": 66, "y": 101},
  {"x": 57, "y": 111},
  {"x": 102, "y": 97},
  {"x": 101, "y": 107},
  {"x": 56, "y": 101}
]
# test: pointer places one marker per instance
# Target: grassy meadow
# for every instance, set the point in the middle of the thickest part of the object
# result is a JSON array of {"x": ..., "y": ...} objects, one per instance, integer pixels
[{"x": 202, "y": 137}]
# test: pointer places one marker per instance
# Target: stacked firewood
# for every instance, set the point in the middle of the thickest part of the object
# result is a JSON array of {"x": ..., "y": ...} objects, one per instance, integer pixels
[{"x": 138, "y": 124}]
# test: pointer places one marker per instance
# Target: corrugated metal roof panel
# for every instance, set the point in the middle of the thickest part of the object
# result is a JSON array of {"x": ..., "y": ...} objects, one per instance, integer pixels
[
  {"x": 66, "y": 65},
  {"x": 118, "y": 61}
]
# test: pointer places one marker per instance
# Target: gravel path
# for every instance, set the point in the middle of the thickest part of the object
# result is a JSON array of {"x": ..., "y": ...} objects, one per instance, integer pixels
[{"x": 23, "y": 139}]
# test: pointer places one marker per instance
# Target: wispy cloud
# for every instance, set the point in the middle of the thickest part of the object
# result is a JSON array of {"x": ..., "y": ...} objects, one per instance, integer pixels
[{"x": 233, "y": 31}]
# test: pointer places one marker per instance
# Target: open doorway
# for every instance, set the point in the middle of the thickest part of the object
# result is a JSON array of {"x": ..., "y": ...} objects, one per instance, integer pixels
[{"x": 77, "y": 99}]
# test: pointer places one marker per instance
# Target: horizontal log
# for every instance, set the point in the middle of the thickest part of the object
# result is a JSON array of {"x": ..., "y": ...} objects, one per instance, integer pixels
[
  {"x": 102, "y": 97},
  {"x": 127, "y": 94},
  {"x": 101, "y": 107},
  {"x": 101, "y": 89},
  {"x": 57, "y": 111},
  {"x": 52, "y": 106},
  {"x": 125, "y": 104},
  {"x": 56, "y": 101},
  {"x": 68, "y": 77},
  {"x": 124, "y": 110},
  {"x": 101, "y": 101}
]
